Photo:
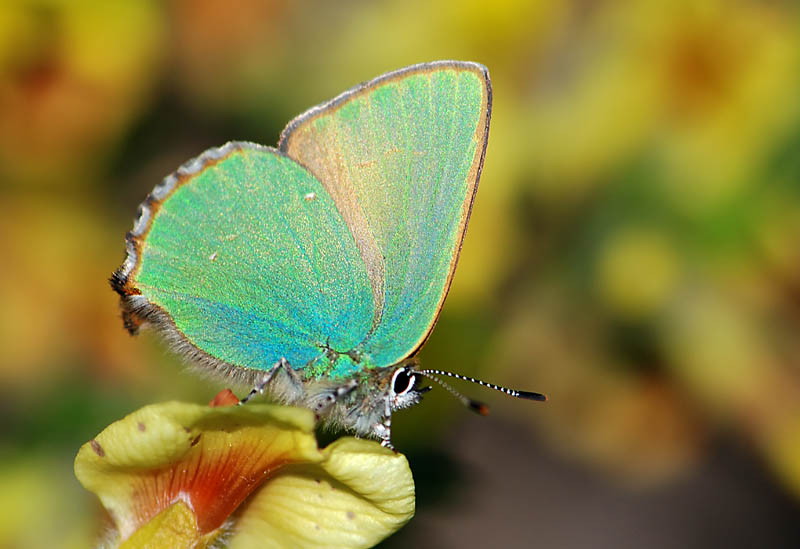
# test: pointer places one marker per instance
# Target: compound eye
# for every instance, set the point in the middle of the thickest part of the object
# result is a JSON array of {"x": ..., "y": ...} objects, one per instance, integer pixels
[{"x": 403, "y": 381}]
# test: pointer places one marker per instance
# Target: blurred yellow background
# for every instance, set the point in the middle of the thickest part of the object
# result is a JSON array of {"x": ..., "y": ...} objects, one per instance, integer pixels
[{"x": 634, "y": 251}]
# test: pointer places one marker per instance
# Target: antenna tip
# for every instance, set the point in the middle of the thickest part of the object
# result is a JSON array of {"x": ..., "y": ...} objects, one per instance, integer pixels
[
  {"x": 532, "y": 396},
  {"x": 479, "y": 407}
]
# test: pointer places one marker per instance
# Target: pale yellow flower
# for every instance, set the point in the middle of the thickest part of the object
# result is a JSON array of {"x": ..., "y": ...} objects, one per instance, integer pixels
[{"x": 183, "y": 475}]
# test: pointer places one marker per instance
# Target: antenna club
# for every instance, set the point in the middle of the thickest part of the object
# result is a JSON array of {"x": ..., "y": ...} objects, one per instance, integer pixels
[
  {"x": 532, "y": 396},
  {"x": 527, "y": 395},
  {"x": 482, "y": 409}
]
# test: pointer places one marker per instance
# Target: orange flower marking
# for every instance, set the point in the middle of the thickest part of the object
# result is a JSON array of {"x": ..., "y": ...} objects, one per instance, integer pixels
[
  {"x": 224, "y": 398},
  {"x": 213, "y": 478}
]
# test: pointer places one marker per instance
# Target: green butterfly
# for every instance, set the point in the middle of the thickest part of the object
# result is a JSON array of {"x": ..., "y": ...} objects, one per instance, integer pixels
[{"x": 317, "y": 270}]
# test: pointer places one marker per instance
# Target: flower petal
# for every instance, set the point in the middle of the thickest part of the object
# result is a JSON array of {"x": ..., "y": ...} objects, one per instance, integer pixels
[
  {"x": 175, "y": 526},
  {"x": 358, "y": 495},
  {"x": 209, "y": 458}
]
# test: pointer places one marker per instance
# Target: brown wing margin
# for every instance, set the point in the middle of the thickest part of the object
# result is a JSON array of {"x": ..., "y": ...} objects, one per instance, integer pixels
[{"x": 136, "y": 308}]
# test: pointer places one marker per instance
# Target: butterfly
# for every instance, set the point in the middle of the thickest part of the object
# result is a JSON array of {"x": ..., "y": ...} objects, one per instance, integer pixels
[{"x": 315, "y": 271}]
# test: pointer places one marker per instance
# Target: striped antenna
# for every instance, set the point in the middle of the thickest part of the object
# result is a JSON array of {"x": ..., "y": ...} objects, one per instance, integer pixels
[
  {"x": 478, "y": 407},
  {"x": 473, "y": 405}
]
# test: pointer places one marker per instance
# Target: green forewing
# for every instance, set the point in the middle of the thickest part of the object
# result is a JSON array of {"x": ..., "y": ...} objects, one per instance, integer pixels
[
  {"x": 401, "y": 157},
  {"x": 253, "y": 262},
  {"x": 345, "y": 240}
]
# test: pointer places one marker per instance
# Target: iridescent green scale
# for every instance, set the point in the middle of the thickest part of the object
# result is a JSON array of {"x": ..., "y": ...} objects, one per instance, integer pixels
[{"x": 333, "y": 252}]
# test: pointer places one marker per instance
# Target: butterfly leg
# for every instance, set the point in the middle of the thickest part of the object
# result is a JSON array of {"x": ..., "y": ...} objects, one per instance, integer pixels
[
  {"x": 386, "y": 438},
  {"x": 383, "y": 429},
  {"x": 280, "y": 367},
  {"x": 321, "y": 402}
]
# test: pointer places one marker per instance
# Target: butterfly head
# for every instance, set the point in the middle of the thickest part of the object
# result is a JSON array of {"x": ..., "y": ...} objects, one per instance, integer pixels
[
  {"x": 366, "y": 403},
  {"x": 401, "y": 386},
  {"x": 404, "y": 388}
]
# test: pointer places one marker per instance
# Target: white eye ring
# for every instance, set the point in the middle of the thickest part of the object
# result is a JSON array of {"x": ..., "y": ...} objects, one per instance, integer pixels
[{"x": 412, "y": 381}]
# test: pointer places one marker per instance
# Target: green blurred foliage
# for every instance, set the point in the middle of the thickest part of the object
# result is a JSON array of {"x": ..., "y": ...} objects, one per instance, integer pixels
[{"x": 633, "y": 250}]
